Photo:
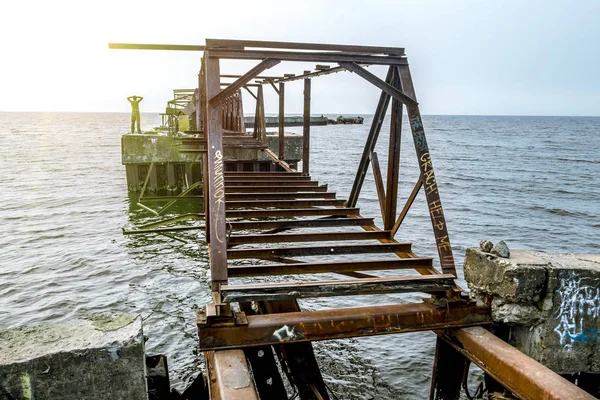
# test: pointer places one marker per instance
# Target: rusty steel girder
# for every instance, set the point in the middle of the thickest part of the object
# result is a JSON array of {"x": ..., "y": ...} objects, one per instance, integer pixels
[
  {"x": 254, "y": 330},
  {"x": 522, "y": 375}
]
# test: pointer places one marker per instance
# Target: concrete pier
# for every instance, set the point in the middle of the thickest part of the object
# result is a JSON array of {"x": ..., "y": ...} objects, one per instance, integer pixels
[
  {"x": 95, "y": 358},
  {"x": 549, "y": 302}
]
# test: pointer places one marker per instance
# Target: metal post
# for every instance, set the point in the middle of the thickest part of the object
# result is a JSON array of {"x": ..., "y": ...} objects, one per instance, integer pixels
[
  {"x": 393, "y": 158},
  {"x": 363, "y": 166},
  {"x": 215, "y": 198},
  {"x": 432, "y": 195},
  {"x": 306, "y": 129},
  {"x": 281, "y": 120}
]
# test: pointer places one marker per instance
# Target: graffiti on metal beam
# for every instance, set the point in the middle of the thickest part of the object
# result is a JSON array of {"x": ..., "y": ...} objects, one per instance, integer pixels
[{"x": 219, "y": 190}]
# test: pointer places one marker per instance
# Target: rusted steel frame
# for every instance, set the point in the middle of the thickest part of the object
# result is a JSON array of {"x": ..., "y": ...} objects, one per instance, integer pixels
[
  {"x": 276, "y": 160},
  {"x": 260, "y": 118},
  {"x": 237, "y": 271},
  {"x": 256, "y": 77},
  {"x": 393, "y": 170},
  {"x": 375, "y": 80},
  {"x": 298, "y": 212},
  {"x": 306, "y": 237},
  {"x": 251, "y": 92},
  {"x": 295, "y": 203},
  {"x": 147, "y": 46},
  {"x": 370, "y": 143},
  {"x": 267, "y": 379},
  {"x": 274, "y": 196},
  {"x": 237, "y": 44},
  {"x": 310, "y": 75},
  {"x": 275, "y": 189},
  {"x": 300, "y": 223},
  {"x": 341, "y": 323},
  {"x": 378, "y": 183},
  {"x": 215, "y": 188},
  {"x": 307, "y": 57},
  {"x": 449, "y": 368},
  {"x": 229, "y": 376},
  {"x": 281, "y": 93},
  {"x": 227, "y": 85},
  {"x": 256, "y": 128},
  {"x": 243, "y": 80},
  {"x": 306, "y": 130},
  {"x": 520, "y": 374},
  {"x": 304, "y": 251},
  {"x": 409, "y": 201},
  {"x": 432, "y": 195},
  {"x": 298, "y": 359},
  {"x": 332, "y": 288}
]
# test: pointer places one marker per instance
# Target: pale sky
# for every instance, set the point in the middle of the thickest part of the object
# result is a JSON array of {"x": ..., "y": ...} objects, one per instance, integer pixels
[{"x": 530, "y": 57}]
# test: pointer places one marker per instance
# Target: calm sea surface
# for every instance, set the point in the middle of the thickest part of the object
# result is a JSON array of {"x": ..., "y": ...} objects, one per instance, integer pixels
[{"x": 531, "y": 181}]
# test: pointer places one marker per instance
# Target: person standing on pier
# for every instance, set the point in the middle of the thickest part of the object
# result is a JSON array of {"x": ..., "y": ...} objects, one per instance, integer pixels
[{"x": 135, "y": 112}]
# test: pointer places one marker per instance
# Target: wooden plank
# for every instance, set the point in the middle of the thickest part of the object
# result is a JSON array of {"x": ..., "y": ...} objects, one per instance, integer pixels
[
  {"x": 375, "y": 80},
  {"x": 306, "y": 130},
  {"x": 330, "y": 288},
  {"x": 243, "y": 80},
  {"x": 307, "y": 56},
  {"x": 301, "y": 223},
  {"x": 305, "y": 251},
  {"x": 363, "y": 166},
  {"x": 237, "y": 44},
  {"x": 297, "y": 212},
  {"x": 279, "y": 203},
  {"x": 238, "y": 271},
  {"x": 307, "y": 237}
]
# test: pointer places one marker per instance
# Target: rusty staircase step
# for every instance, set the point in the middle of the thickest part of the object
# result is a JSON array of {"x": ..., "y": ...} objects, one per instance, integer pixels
[
  {"x": 236, "y": 271},
  {"x": 307, "y": 237},
  {"x": 286, "y": 212},
  {"x": 281, "y": 203},
  {"x": 329, "y": 288},
  {"x": 301, "y": 223},
  {"x": 273, "y": 189},
  {"x": 305, "y": 251}
]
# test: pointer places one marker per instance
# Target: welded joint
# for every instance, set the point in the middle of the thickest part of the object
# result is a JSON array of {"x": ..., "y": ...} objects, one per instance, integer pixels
[{"x": 219, "y": 315}]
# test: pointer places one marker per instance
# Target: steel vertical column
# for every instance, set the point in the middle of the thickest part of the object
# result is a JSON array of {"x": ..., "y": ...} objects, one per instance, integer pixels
[
  {"x": 306, "y": 130},
  {"x": 363, "y": 166},
  {"x": 215, "y": 198},
  {"x": 432, "y": 195},
  {"x": 281, "y": 154},
  {"x": 391, "y": 198}
]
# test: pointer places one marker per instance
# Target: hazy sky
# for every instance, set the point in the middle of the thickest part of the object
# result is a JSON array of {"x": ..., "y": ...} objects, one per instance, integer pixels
[{"x": 467, "y": 57}]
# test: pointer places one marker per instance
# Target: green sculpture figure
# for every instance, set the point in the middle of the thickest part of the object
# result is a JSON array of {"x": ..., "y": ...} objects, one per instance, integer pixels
[{"x": 135, "y": 112}]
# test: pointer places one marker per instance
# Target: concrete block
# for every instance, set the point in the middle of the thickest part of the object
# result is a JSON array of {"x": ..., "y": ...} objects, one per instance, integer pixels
[
  {"x": 551, "y": 302},
  {"x": 95, "y": 358},
  {"x": 520, "y": 278}
]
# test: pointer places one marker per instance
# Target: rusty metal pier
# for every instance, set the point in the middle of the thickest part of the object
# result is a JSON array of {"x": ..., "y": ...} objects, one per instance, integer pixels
[{"x": 278, "y": 236}]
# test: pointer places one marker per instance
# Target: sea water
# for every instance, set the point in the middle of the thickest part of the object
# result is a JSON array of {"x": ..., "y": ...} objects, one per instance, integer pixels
[{"x": 531, "y": 181}]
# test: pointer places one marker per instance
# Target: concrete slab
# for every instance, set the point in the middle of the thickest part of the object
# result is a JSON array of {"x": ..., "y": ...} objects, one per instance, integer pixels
[{"x": 96, "y": 358}]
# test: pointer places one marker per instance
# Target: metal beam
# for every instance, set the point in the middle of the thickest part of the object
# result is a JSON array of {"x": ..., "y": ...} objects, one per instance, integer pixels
[
  {"x": 305, "y": 251},
  {"x": 145, "y": 46},
  {"x": 240, "y": 44},
  {"x": 523, "y": 376},
  {"x": 327, "y": 267},
  {"x": 306, "y": 130},
  {"x": 235, "y": 54},
  {"x": 281, "y": 131},
  {"x": 375, "y": 80},
  {"x": 243, "y": 80},
  {"x": 307, "y": 237},
  {"x": 363, "y": 166},
  {"x": 331, "y": 288},
  {"x": 229, "y": 377},
  {"x": 340, "y": 323}
]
